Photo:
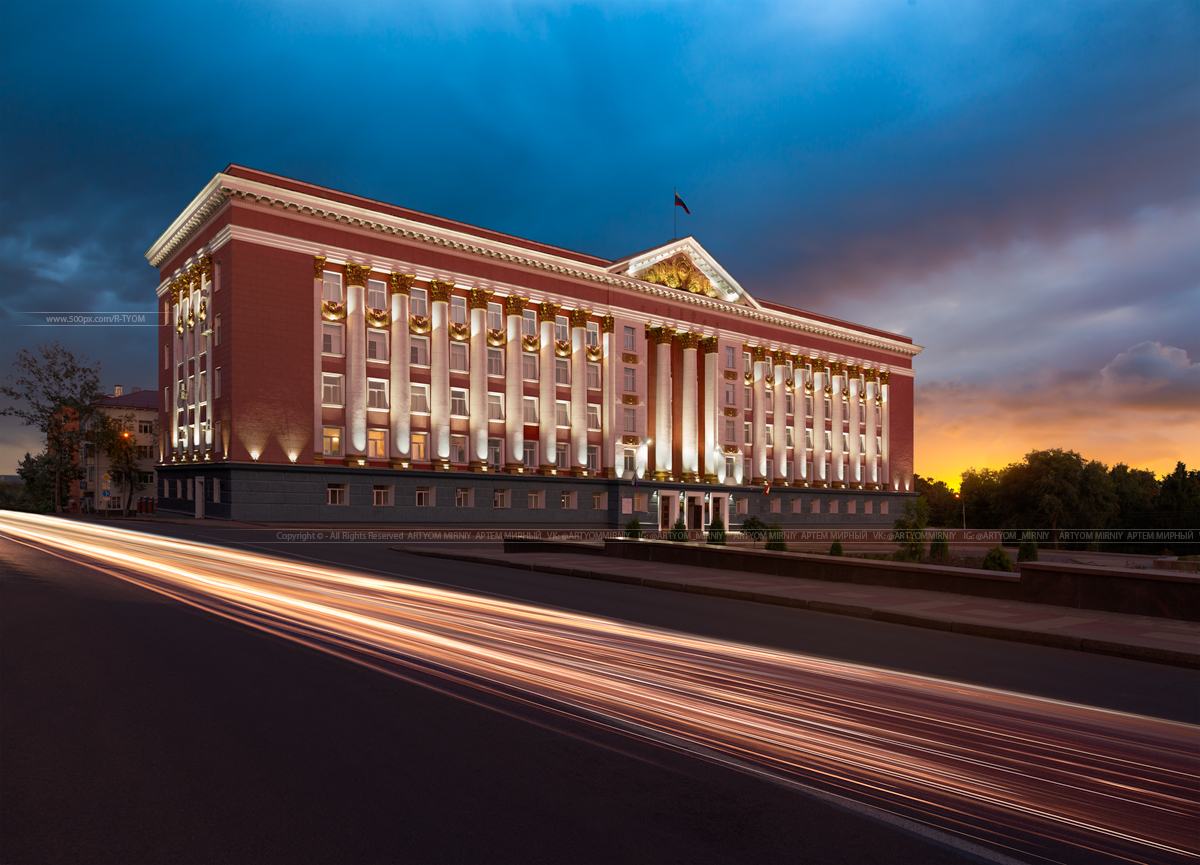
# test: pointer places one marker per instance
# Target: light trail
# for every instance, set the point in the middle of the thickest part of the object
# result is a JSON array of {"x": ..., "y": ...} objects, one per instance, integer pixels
[{"x": 1034, "y": 776}]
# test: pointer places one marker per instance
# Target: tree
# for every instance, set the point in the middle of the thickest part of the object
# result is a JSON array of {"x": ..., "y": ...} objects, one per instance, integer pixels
[
  {"x": 38, "y": 493},
  {"x": 910, "y": 529},
  {"x": 114, "y": 437},
  {"x": 836, "y": 548},
  {"x": 939, "y": 549},
  {"x": 980, "y": 491},
  {"x": 678, "y": 531},
  {"x": 943, "y": 506},
  {"x": 716, "y": 531},
  {"x": 754, "y": 528},
  {"x": 775, "y": 539},
  {"x": 56, "y": 390},
  {"x": 633, "y": 529},
  {"x": 997, "y": 560},
  {"x": 1027, "y": 552}
]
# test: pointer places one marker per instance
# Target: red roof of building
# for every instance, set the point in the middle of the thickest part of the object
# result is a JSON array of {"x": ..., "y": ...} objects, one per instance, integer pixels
[{"x": 136, "y": 399}]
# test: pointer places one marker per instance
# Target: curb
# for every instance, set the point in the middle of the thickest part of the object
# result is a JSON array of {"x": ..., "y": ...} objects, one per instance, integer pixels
[{"x": 1038, "y": 638}]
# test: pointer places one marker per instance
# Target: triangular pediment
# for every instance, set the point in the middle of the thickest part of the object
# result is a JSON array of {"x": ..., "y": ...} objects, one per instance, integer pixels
[{"x": 685, "y": 265}]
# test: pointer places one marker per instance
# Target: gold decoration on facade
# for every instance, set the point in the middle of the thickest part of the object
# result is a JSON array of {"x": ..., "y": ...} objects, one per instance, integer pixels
[
  {"x": 630, "y": 440},
  {"x": 206, "y": 266},
  {"x": 562, "y": 348},
  {"x": 191, "y": 319},
  {"x": 607, "y": 324},
  {"x": 731, "y": 449},
  {"x": 660, "y": 335},
  {"x": 688, "y": 340},
  {"x": 748, "y": 377},
  {"x": 318, "y": 266},
  {"x": 179, "y": 325},
  {"x": 547, "y": 310},
  {"x": 459, "y": 332},
  {"x": 401, "y": 283},
  {"x": 853, "y": 370},
  {"x": 731, "y": 375},
  {"x": 885, "y": 377},
  {"x": 780, "y": 357},
  {"x": 818, "y": 364},
  {"x": 332, "y": 310},
  {"x": 478, "y": 298},
  {"x": 514, "y": 305},
  {"x": 378, "y": 318},
  {"x": 439, "y": 291},
  {"x": 758, "y": 354},
  {"x": 496, "y": 337},
  {"x": 203, "y": 312},
  {"x": 594, "y": 353},
  {"x": 419, "y": 324},
  {"x": 836, "y": 368},
  {"x": 790, "y": 384},
  {"x": 708, "y": 345},
  {"x": 730, "y": 412},
  {"x": 679, "y": 272},
  {"x": 629, "y": 399},
  {"x": 579, "y": 317},
  {"x": 530, "y": 343},
  {"x": 629, "y": 357},
  {"x": 356, "y": 274}
]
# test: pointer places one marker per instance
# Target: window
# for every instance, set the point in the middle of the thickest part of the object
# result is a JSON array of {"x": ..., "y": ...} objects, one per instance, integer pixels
[
  {"x": 562, "y": 328},
  {"x": 529, "y": 323},
  {"x": 190, "y": 393},
  {"x": 791, "y": 437},
  {"x": 458, "y": 310},
  {"x": 641, "y": 502},
  {"x": 592, "y": 337},
  {"x": 145, "y": 426},
  {"x": 464, "y": 497},
  {"x": 418, "y": 351},
  {"x": 530, "y": 408},
  {"x": 499, "y": 498},
  {"x": 776, "y": 505},
  {"x": 377, "y": 345},
  {"x": 729, "y": 468},
  {"x": 770, "y": 468},
  {"x": 828, "y": 408},
  {"x": 749, "y": 398},
  {"x": 217, "y": 329},
  {"x": 458, "y": 449},
  {"x": 593, "y": 376},
  {"x": 730, "y": 357},
  {"x": 562, "y": 371},
  {"x": 420, "y": 399},
  {"x": 630, "y": 379},
  {"x": 795, "y": 506},
  {"x": 771, "y": 436},
  {"x": 747, "y": 471},
  {"x": 381, "y": 495},
  {"x": 808, "y": 439},
  {"x": 331, "y": 338},
  {"x": 730, "y": 394},
  {"x": 495, "y": 361},
  {"x": 808, "y": 406},
  {"x": 529, "y": 455},
  {"x": 331, "y": 286},
  {"x": 495, "y": 449},
  {"x": 846, "y": 442},
  {"x": 746, "y": 365},
  {"x": 424, "y": 497},
  {"x": 202, "y": 396},
  {"x": 748, "y": 438},
  {"x": 593, "y": 416},
  {"x": 562, "y": 413},
  {"x": 629, "y": 460},
  {"x": 217, "y": 383},
  {"x": 626, "y": 505},
  {"x": 789, "y": 402},
  {"x": 529, "y": 367},
  {"x": 862, "y": 444},
  {"x": 459, "y": 357},
  {"x": 731, "y": 430},
  {"x": 376, "y": 294},
  {"x": 536, "y": 500},
  {"x": 420, "y": 451},
  {"x": 458, "y": 402},
  {"x": 569, "y": 500},
  {"x": 560, "y": 456},
  {"x": 630, "y": 423},
  {"x": 377, "y": 444},
  {"x": 495, "y": 404},
  {"x": 629, "y": 334},
  {"x": 878, "y": 444},
  {"x": 331, "y": 389},
  {"x": 166, "y": 357},
  {"x": 335, "y": 494},
  {"x": 495, "y": 316},
  {"x": 332, "y": 441},
  {"x": 377, "y": 393},
  {"x": 593, "y": 458},
  {"x": 828, "y": 440},
  {"x": 418, "y": 302},
  {"x": 741, "y": 505}
]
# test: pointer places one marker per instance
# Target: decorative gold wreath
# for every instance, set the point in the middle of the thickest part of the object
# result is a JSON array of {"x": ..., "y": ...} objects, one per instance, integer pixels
[{"x": 419, "y": 324}]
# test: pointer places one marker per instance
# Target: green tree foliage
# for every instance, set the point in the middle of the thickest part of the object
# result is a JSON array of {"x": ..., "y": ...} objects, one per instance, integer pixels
[
  {"x": 754, "y": 528},
  {"x": 836, "y": 549},
  {"x": 939, "y": 549},
  {"x": 678, "y": 531},
  {"x": 53, "y": 391},
  {"x": 1028, "y": 551},
  {"x": 716, "y": 531},
  {"x": 910, "y": 530},
  {"x": 997, "y": 560},
  {"x": 115, "y": 437},
  {"x": 775, "y": 539},
  {"x": 38, "y": 490},
  {"x": 633, "y": 529},
  {"x": 944, "y": 506}
]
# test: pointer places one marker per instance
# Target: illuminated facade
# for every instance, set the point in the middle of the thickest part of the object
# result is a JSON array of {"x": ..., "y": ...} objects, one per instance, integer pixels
[{"x": 310, "y": 330}]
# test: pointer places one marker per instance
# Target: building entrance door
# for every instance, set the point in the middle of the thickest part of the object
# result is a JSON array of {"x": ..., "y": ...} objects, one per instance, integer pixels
[
  {"x": 668, "y": 510},
  {"x": 695, "y": 513}
]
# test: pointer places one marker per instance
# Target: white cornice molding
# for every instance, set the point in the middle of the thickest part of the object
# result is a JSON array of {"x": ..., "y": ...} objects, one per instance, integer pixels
[{"x": 305, "y": 206}]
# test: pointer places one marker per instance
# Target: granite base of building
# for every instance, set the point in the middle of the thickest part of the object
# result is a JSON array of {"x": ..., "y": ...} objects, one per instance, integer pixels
[{"x": 250, "y": 492}]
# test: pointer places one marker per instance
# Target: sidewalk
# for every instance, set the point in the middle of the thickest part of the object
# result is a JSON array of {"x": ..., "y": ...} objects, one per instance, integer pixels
[{"x": 1142, "y": 638}]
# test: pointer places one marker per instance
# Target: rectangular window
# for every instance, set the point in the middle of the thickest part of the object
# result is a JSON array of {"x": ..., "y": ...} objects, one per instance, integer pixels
[
  {"x": 593, "y": 416},
  {"x": 420, "y": 450},
  {"x": 217, "y": 383},
  {"x": 458, "y": 402},
  {"x": 331, "y": 287},
  {"x": 562, "y": 371},
  {"x": 808, "y": 441},
  {"x": 770, "y": 468},
  {"x": 808, "y": 406},
  {"x": 381, "y": 495},
  {"x": 335, "y": 494},
  {"x": 500, "y": 498},
  {"x": 458, "y": 357},
  {"x": 560, "y": 456},
  {"x": 495, "y": 316},
  {"x": 730, "y": 394},
  {"x": 746, "y": 366},
  {"x": 562, "y": 329},
  {"x": 145, "y": 426},
  {"x": 731, "y": 430},
  {"x": 331, "y": 338},
  {"x": 217, "y": 329},
  {"x": 789, "y": 402},
  {"x": 418, "y": 302},
  {"x": 569, "y": 500},
  {"x": 730, "y": 357},
  {"x": 741, "y": 505},
  {"x": 458, "y": 310},
  {"x": 629, "y": 460},
  {"x": 630, "y": 383},
  {"x": 495, "y": 405},
  {"x": 377, "y": 393},
  {"x": 377, "y": 444},
  {"x": 536, "y": 501},
  {"x": 562, "y": 413},
  {"x": 495, "y": 361},
  {"x": 418, "y": 351},
  {"x": 331, "y": 389},
  {"x": 794, "y": 507},
  {"x": 593, "y": 334},
  {"x": 771, "y": 436},
  {"x": 641, "y": 502},
  {"x": 629, "y": 335},
  {"x": 828, "y": 440},
  {"x": 749, "y": 433},
  {"x": 530, "y": 407},
  {"x": 747, "y": 471},
  {"x": 420, "y": 399},
  {"x": 529, "y": 323},
  {"x": 166, "y": 357},
  {"x": 332, "y": 437},
  {"x": 749, "y": 398},
  {"x": 730, "y": 470},
  {"x": 458, "y": 449},
  {"x": 424, "y": 497},
  {"x": 529, "y": 367},
  {"x": 630, "y": 424},
  {"x": 626, "y": 506},
  {"x": 495, "y": 448},
  {"x": 529, "y": 455},
  {"x": 376, "y": 294},
  {"x": 776, "y": 505},
  {"x": 593, "y": 458},
  {"x": 846, "y": 442},
  {"x": 377, "y": 345},
  {"x": 464, "y": 497},
  {"x": 593, "y": 376},
  {"x": 791, "y": 437},
  {"x": 828, "y": 408}
]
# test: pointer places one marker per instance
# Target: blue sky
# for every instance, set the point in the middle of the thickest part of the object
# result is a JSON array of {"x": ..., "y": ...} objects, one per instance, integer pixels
[{"x": 1015, "y": 186}]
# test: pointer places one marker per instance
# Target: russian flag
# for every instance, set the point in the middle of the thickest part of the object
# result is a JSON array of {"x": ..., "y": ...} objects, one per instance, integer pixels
[{"x": 679, "y": 203}]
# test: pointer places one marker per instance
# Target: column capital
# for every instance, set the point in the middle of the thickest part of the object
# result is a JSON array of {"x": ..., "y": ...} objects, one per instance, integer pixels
[
  {"x": 818, "y": 364},
  {"x": 759, "y": 354},
  {"x": 439, "y": 291},
  {"x": 206, "y": 266},
  {"x": 853, "y": 369},
  {"x": 318, "y": 266},
  {"x": 885, "y": 377},
  {"x": 401, "y": 283},
  {"x": 514, "y": 305},
  {"x": 478, "y": 298},
  {"x": 660, "y": 335},
  {"x": 579, "y": 317},
  {"x": 356, "y": 274},
  {"x": 780, "y": 357},
  {"x": 688, "y": 340},
  {"x": 547, "y": 311},
  {"x": 607, "y": 324},
  {"x": 708, "y": 345},
  {"x": 837, "y": 367}
]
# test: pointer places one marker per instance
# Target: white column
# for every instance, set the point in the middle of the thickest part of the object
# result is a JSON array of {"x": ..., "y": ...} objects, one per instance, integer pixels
[
  {"x": 356, "y": 361},
  {"x": 546, "y": 392},
  {"x": 477, "y": 424},
  {"x": 578, "y": 318},
  {"x": 780, "y": 432},
  {"x": 399, "y": 417},
  {"x": 839, "y": 472},
  {"x": 713, "y": 461},
  {"x": 759, "y": 451},
  {"x": 885, "y": 468},
  {"x": 689, "y": 418},
  {"x": 872, "y": 426},
  {"x": 194, "y": 365},
  {"x": 662, "y": 404},
  {"x": 514, "y": 400},
  {"x": 801, "y": 394},
  {"x": 176, "y": 359},
  {"x": 820, "y": 476},
  {"x": 439, "y": 372},
  {"x": 608, "y": 450},
  {"x": 855, "y": 478}
]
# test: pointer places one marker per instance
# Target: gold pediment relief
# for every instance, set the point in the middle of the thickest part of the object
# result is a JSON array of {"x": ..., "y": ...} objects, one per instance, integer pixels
[{"x": 679, "y": 272}]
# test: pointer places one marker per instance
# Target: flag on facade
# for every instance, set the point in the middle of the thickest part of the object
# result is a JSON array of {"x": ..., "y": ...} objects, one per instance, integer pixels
[
  {"x": 679, "y": 203},
  {"x": 767, "y": 489},
  {"x": 635, "y": 480}
]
